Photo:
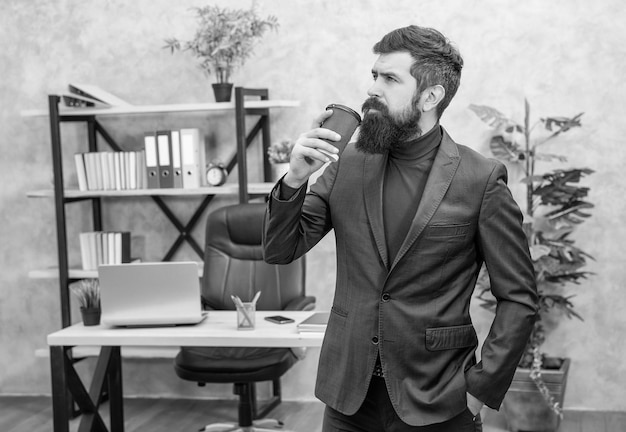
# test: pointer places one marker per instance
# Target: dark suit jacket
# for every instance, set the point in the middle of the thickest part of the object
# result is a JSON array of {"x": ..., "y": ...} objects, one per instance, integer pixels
[{"x": 414, "y": 310}]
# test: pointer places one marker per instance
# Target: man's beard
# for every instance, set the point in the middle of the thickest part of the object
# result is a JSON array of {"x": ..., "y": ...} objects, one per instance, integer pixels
[{"x": 380, "y": 132}]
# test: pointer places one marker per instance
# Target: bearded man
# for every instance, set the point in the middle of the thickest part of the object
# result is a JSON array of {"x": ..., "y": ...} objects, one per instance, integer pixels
[{"x": 415, "y": 215}]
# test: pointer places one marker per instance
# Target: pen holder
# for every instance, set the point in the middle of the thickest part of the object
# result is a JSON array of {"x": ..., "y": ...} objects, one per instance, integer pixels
[{"x": 246, "y": 313}]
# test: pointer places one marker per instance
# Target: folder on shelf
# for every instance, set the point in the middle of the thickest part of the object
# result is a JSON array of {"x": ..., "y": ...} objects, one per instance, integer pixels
[
  {"x": 192, "y": 157},
  {"x": 164, "y": 151},
  {"x": 152, "y": 163},
  {"x": 177, "y": 170},
  {"x": 94, "y": 92}
]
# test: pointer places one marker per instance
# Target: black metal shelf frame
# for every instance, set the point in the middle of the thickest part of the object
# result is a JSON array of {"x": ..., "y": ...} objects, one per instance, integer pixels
[{"x": 94, "y": 128}]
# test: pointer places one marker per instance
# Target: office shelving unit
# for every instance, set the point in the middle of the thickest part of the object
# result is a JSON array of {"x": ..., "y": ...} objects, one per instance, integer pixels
[{"x": 242, "y": 107}]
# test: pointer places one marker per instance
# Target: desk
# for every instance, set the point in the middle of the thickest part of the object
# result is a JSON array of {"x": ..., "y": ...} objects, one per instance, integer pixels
[{"x": 218, "y": 329}]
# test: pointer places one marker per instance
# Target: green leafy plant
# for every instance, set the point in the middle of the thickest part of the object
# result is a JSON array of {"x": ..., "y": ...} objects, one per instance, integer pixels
[
  {"x": 280, "y": 152},
  {"x": 87, "y": 291},
  {"x": 555, "y": 206},
  {"x": 224, "y": 39}
]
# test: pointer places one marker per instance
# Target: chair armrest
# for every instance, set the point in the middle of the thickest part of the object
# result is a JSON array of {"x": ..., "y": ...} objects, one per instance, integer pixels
[{"x": 304, "y": 303}]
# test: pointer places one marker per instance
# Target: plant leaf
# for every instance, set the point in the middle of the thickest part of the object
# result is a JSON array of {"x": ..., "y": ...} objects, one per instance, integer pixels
[
  {"x": 562, "y": 124},
  {"x": 505, "y": 150},
  {"x": 492, "y": 116}
]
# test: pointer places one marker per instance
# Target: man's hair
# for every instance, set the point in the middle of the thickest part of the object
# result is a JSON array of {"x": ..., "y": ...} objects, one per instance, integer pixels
[{"x": 435, "y": 60}]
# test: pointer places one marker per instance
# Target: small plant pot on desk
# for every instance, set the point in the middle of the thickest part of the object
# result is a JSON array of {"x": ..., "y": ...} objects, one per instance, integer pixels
[
  {"x": 524, "y": 406},
  {"x": 91, "y": 316}
]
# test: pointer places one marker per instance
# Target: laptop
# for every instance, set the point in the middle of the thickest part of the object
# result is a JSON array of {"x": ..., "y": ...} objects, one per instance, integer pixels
[{"x": 150, "y": 294}]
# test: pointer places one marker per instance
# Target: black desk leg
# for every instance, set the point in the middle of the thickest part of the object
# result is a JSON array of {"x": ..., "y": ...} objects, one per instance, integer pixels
[
  {"x": 65, "y": 380},
  {"x": 116, "y": 395},
  {"x": 60, "y": 390}
]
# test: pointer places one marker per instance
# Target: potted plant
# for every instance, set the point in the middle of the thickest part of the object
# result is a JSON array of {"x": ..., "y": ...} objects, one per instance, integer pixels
[
  {"x": 555, "y": 205},
  {"x": 278, "y": 155},
  {"x": 223, "y": 41},
  {"x": 87, "y": 291}
]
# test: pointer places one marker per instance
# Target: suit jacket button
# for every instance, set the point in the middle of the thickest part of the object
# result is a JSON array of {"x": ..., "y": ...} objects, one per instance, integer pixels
[
  {"x": 375, "y": 340},
  {"x": 386, "y": 297}
]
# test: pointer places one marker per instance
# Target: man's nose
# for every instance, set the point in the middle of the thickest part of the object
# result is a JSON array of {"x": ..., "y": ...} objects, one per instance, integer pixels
[{"x": 373, "y": 91}]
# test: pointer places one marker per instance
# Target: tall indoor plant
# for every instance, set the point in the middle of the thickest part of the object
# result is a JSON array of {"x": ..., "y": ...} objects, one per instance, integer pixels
[
  {"x": 223, "y": 40},
  {"x": 555, "y": 205}
]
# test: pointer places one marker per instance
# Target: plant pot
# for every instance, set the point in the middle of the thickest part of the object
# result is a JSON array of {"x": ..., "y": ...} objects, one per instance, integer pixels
[
  {"x": 525, "y": 408},
  {"x": 222, "y": 91},
  {"x": 91, "y": 316},
  {"x": 279, "y": 170}
]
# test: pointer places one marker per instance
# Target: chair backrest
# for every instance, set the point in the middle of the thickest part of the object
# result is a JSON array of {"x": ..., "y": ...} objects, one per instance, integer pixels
[{"x": 233, "y": 262}]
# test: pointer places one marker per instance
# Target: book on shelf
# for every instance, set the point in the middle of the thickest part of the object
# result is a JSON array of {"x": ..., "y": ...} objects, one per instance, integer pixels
[
  {"x": 78, "y": 101},
  {"x": 315, "y": 323},
  {"x": 95, "y": 93},
  {"x": 81, "y": 172},
  {"x": 110, "y": 170},
  {"x": 104, "y": 247}
]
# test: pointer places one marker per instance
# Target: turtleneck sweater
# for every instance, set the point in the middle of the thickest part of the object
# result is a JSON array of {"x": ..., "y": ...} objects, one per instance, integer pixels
[{"x": 408, "y": 166}]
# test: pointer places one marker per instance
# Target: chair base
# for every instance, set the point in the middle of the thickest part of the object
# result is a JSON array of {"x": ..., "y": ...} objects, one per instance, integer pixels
[{"x": 262, "y": 425}]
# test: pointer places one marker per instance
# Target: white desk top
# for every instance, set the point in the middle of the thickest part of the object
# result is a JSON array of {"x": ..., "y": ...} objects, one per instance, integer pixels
[{"x": 218, "y": 329}]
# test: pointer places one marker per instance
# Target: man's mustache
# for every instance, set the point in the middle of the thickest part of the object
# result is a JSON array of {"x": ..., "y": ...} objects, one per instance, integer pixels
[{"x": 373, "y": 103}]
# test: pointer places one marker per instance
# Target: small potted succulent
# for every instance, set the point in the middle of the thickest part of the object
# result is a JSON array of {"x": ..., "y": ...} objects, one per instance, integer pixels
[
  {"x": 278, "y": 155},
  {"x": 87, "y": 291},
  {"x": 223, "y": 41}
]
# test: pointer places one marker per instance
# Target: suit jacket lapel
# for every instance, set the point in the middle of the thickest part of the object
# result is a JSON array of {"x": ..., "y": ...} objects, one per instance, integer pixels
[
  {"x": 374, "y": 175},
  {"x": 444, "y": 167}
]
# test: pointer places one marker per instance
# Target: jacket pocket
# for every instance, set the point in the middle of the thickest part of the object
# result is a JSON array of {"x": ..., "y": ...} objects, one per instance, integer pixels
[
  {"x": 445, "y": 338},
  {"x": 446, "y": 231}
]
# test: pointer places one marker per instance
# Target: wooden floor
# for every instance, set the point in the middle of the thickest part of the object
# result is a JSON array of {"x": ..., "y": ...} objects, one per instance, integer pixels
[{"x": 34, "y": 414}]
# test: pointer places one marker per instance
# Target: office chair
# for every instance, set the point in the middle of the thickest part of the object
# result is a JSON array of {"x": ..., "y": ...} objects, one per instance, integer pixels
[{"x": 233, "y": 265}]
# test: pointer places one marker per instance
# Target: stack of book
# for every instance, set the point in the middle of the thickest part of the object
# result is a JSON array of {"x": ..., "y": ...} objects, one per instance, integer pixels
[
  {"x": 315, "y": 323},
  {"x": 111, "y": 170},
  {"x": 174, "y": 158},
  {"x": 90, "y": 96},
  {"x": 100, "y": 247}
]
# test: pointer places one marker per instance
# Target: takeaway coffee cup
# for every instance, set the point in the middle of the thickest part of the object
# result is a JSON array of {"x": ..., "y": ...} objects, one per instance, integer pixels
[{"x": 344, "y": 121}]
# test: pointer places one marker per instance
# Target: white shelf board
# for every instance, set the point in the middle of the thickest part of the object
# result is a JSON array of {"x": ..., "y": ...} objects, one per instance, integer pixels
[
  {"x": 227, "y": 189},
  {"x": 168, "y": 108}
]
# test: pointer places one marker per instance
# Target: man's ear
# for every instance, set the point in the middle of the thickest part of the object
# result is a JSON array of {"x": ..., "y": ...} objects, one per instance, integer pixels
[{"x": 432, "y": 96}]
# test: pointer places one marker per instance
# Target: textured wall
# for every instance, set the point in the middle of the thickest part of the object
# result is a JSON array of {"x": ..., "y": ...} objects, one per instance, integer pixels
[{"x": 565, "y": 56}]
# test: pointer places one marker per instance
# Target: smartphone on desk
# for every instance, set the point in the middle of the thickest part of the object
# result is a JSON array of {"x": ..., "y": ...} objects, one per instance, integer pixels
[{"x": 279, "y": 319}]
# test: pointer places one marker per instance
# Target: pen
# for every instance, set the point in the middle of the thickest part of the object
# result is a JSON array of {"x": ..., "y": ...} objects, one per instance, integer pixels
[{"x": 256, "y": 297}]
